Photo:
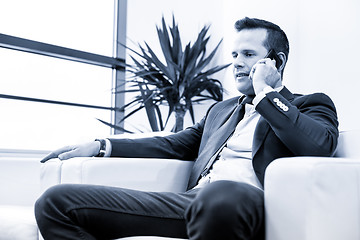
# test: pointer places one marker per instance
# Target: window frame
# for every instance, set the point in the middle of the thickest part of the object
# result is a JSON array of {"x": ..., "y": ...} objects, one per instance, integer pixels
[{"x": 117, "y": 62}]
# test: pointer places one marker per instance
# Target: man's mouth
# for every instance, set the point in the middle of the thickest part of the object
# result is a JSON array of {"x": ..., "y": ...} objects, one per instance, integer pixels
[{"x": 238, "y": 75}]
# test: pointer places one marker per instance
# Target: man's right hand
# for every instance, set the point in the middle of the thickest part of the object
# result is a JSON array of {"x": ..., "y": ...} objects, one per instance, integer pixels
[{"x": 82, "y": 150}]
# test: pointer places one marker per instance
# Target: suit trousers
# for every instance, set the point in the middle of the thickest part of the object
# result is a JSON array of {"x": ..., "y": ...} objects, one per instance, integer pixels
[{"x": 221, "y": 210}]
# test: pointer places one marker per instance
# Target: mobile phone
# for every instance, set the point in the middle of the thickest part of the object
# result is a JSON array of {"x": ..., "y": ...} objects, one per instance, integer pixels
[{"x": 272, "y": 55}]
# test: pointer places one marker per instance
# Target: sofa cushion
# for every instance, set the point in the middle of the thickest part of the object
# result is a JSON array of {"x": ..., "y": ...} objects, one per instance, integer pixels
[
  {"x": 17, "y": 223},
  {"x": 20, "y": 181}
]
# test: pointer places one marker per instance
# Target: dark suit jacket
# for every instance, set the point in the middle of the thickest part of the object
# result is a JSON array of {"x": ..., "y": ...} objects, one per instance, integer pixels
[{"x": 290, "y": 125}]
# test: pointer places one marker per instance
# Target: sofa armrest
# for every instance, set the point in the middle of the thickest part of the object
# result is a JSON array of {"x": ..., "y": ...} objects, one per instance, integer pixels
[
  {"x": 135, "y": 173},
  {"x": 311, "y": 198},
  {"x": 19, "y": 180}
]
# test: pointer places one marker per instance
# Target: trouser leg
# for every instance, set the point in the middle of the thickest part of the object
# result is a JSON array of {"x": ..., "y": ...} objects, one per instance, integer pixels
[
  {"x": 98, "y": 212},
  {"x": 226, "y": 210}
]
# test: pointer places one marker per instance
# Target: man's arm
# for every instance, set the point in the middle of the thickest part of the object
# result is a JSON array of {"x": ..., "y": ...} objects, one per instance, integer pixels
[
  {"x": 182, "y": 145},
  {"x": 307, "y": 125},
  {"x": 89, "y": 149}
]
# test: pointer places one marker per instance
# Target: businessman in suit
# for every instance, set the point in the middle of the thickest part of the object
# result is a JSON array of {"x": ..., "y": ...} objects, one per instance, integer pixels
[{"x": 231, "y": 147}]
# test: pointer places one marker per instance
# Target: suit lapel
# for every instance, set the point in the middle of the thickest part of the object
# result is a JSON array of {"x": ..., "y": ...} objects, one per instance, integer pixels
[
  {"x": 211, "y": 147},
  {"x": 261, "y": 131}
]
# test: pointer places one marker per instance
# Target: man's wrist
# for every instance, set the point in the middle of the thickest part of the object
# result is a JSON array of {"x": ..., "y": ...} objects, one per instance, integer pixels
[
  {"x": 102, "y": 149},
  {"x": 262, "y": 94},
  {"x": 106, "y": 151},
  {"x": 108, "y": 148}
]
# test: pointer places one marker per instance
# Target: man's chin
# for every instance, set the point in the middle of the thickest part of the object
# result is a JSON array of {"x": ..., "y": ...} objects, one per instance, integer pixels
[
  {"x": 245, "y": 88},
  {"x": 246, "y": 92}
]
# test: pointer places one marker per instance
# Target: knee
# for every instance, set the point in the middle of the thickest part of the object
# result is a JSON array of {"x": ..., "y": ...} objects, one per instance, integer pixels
[
  {"x": 225, "y": 197},
  {"x": 224, "y": 206},
  {"x": 52, "y": 200}
]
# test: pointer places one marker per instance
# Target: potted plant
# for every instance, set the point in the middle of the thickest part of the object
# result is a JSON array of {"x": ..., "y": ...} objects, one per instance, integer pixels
[{"x": 182, "y": 80}]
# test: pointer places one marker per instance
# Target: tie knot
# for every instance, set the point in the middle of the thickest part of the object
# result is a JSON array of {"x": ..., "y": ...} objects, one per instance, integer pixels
[{"x": 245, "y": 99}]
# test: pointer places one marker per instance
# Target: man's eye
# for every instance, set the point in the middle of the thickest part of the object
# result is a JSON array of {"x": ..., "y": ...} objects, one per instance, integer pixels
[
  {"x": 249, "y": 54},
  {"x": 234, "y": 55}
]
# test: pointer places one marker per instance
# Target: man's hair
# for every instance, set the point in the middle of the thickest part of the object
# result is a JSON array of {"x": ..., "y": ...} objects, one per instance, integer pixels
[{"x": 276, "y": 37}]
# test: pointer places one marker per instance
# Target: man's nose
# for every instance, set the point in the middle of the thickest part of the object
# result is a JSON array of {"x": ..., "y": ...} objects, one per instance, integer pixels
[{"x": 238, "y": 63}]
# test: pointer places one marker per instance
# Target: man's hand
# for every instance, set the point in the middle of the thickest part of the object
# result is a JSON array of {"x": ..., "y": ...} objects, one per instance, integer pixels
[
  {"x": 264, "y": 73},
  {"x": 83, "y": 150}
]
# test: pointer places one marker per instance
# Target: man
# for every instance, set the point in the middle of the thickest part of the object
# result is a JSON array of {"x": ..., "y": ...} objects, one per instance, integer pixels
[{"x": 231, "y": 146}]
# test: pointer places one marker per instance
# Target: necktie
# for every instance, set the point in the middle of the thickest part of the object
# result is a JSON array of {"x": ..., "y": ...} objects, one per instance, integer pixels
[{"x": 220, "y": 136}]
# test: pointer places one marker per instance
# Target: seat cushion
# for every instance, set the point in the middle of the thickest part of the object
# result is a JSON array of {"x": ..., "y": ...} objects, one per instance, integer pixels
[{"x": 17, "y": 223}]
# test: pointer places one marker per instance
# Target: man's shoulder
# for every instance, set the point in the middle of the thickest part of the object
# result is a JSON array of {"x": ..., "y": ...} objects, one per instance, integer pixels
[
  {"x": 230, "y": 101},
  {"x": 314, "y": 100},
  {"x": 223, "y": 106},
  {"x": 318, "y": 96}
]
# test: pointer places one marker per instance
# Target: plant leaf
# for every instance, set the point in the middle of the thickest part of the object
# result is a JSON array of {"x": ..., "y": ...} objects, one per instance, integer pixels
[
  {"x": 184, "y": 75},
  {"x": 113, "y": 126}
]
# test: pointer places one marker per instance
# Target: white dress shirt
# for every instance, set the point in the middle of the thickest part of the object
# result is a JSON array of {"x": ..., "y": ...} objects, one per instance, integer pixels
[{"x": 235, "y": 159}]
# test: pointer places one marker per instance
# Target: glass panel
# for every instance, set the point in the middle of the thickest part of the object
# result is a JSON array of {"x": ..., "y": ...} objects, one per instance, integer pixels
[
  {"x": 85, "y": 25},
  {"x": 29, "y": 125},
  {"x": 39, "y": 126},
  {"x": 37, "y": 76}
]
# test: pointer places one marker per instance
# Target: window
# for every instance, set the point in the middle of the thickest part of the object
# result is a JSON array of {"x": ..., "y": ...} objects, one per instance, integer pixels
[
  {"x": 85, "y": 25},
  {"x": 47, "y": 102}
]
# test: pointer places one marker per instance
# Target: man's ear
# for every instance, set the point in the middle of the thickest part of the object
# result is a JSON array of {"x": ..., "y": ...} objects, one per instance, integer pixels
[{"x": 283, "y": 59}]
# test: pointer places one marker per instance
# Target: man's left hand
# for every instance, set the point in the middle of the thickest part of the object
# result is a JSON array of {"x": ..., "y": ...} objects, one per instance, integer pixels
[{"x": 264, "y": 73}]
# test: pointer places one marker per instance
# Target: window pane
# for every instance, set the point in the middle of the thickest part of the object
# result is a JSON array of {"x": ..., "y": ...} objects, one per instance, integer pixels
[
  {"x": 85, "y": 25},
  {"x": 39, "y": 126},
  {"x": 37, "y": 76},
  {"x": 29, "y": 125}
]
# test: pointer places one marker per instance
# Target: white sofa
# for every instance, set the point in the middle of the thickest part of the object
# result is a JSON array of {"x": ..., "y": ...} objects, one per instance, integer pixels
[
  {"x": 306, "y": 198},
  {"x": 19, "y": 189},
  {"x": 315, "y": 198}
]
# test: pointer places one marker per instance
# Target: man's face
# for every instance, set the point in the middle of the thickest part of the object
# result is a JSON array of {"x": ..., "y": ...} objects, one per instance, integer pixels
[{"x": 247, "y": 50}]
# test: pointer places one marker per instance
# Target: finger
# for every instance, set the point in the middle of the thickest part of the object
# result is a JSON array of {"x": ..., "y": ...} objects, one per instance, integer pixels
[
  {"x": 56, "y": 153},
  {"x": 252, "y": 72},
  {"x": 69, "y": 154},
  {"x": 48, "y": 157},
  {"x": 262, "y": 61},
  {"x": 272, "y": 62}
]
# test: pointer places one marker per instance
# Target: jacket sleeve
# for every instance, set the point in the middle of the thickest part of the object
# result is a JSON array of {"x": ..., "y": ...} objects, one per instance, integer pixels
[
  {"x": 182, "y": 145},
  {"x": 307, "y": 125}
]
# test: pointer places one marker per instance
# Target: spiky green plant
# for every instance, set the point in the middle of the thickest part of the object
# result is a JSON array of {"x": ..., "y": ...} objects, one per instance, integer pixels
[{"x": 184, "y": 78}]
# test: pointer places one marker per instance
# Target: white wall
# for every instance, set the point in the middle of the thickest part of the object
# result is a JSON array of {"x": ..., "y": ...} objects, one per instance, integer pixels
[
  {"x": 143, "y": 16},
  {"x": 324, "y": 40}
]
